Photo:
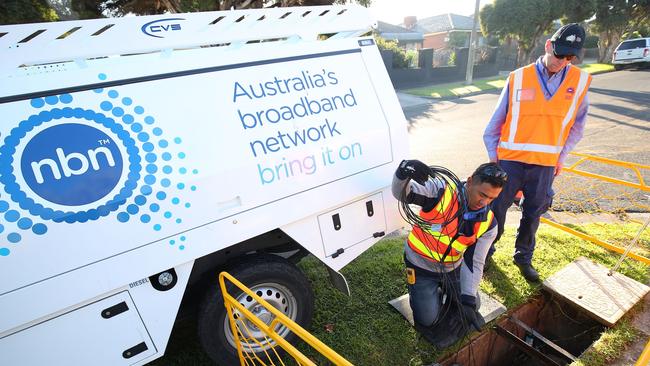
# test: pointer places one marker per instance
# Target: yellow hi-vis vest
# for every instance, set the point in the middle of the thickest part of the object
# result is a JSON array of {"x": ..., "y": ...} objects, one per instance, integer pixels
[
  {"x": 432, "y": 242},
  {"x": 536, "y": 129}
]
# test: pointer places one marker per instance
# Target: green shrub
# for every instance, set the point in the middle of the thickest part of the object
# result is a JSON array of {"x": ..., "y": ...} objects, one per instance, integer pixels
[
  {"x": 412, "y": 58},
  {"x": 401, "y": 59},
  {"x": 452, "y": 59},
  {"x": 631, "y": 35}
]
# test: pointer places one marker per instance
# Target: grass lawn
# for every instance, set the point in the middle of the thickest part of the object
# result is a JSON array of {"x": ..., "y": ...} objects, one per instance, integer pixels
[
  {"x": 459, "y": 89},
  {"x": 366, "y": 330},
  {"x": 597, "y": 68}
]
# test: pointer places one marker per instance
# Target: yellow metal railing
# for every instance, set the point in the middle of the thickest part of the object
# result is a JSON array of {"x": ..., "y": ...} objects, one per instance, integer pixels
[
  {"x": 640, "y": 185},
  {"x": 636, "y": 168},
  {"x": 599, "y": 242},
  {"x": 239, "y": 316},
  {"x": 644, "y": 358}
]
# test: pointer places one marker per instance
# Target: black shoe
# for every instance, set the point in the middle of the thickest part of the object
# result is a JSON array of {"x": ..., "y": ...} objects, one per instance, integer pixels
[
  {"x": 446, "y": 331},
  {"x": 528, "y": 271},
  {"x": 440, "y": 337}
]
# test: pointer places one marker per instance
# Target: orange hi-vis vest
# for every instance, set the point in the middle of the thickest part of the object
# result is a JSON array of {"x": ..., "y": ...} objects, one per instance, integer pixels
[
  {"x": 536, "y": 129},
  {"x": 432, "y": 242}
]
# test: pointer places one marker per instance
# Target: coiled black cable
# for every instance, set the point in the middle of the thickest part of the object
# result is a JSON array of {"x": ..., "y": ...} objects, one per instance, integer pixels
[
  {"x": 441, "y": 177},
  {"x": 444, "y": 177}
]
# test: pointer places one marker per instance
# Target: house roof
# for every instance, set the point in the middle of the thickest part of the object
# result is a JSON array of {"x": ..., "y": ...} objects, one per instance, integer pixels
[
  {"x": 395, "y": 32},
  {"x": 444, "y": 23}
]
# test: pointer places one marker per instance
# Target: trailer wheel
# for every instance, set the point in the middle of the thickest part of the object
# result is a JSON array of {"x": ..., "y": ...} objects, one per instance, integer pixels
[{"x": 272, "y": 278}]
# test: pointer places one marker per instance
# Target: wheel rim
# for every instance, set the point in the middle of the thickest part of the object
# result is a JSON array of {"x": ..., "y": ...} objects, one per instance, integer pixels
[{"x": 280, "y": 297}]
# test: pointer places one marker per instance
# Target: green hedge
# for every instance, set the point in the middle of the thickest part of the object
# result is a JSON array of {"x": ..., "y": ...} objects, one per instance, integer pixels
[{"x": 401, "y": 59}]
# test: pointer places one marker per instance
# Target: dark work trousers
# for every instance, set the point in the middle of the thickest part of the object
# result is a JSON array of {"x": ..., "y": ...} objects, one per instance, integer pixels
[
  {"x": 535, "y": 181},
  {"x": 425, "y": 295}
]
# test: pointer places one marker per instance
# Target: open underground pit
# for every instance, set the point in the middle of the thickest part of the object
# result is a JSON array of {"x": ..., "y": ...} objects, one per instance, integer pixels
[{"x": 544, "y": 331}]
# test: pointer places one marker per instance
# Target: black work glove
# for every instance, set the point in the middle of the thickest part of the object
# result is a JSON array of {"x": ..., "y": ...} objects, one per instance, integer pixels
[
  {"x": 469, "y": 312},
  {"x": 413, "y": 169}
]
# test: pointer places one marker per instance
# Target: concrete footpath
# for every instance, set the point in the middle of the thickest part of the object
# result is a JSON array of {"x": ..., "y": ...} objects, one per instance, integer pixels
[{"x": 409, "y": 100}]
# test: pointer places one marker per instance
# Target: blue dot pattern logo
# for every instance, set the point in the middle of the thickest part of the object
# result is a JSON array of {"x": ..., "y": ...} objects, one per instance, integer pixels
[{"x": 110, "y": 162}]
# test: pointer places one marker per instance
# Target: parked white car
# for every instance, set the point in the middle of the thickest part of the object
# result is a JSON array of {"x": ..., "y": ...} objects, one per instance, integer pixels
[{"x": 632, "y": 52}]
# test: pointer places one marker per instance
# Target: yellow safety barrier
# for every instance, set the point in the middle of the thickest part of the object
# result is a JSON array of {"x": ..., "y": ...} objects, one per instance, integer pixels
[
  {"x": 583, "y": 196},
  {"x": 636, "y": 168},
  {"x": 595, "y": 240},
  {"x": 241, "y": 320},
  {"x": 644, "y": 359}
]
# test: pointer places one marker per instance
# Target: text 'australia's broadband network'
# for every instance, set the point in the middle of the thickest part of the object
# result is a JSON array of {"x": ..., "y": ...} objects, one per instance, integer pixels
[
  {"x": 302, "y": 106},
  {"x": 305, "y": 96}
]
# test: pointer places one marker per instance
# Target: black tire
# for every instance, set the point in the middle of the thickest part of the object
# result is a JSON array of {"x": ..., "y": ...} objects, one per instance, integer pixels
[
  {"x": 280, "y": 282},
  {"x": 618, "y": 67}
]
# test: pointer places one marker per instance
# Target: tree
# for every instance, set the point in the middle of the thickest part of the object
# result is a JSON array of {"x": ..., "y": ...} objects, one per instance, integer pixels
[
  {"x": 523, "y": 20},
  {"x": 458, "y": 39},
  {"x": 95, "y": 8},
  {"x": 26, "y": 11},
  {"x": 644, "y": 29},
  {"x": 579, "y": 11},
  {"x": 616, "y": 17},
  {"x": 364, "y": 3},
  {"x": 63, "y": 9}
]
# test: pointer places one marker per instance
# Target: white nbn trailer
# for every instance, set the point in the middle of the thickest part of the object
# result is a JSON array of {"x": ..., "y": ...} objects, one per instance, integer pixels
[{"x": 140, "y": 156}]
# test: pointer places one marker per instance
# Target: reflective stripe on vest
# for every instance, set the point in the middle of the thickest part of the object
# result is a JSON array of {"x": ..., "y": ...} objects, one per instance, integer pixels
[
  {"x": 448, "y": 197},
  {"x": 431, "y": 254},
  {"x": 431, "y": 243},
  {"x": 531, "y": 116}
]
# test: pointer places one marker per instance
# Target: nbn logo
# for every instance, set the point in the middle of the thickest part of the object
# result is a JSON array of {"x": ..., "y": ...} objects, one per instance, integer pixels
[
  {"x": 64, "y": 163},
  {"x": 71, "y": 164},
  {"x": 161, "y": 26}
]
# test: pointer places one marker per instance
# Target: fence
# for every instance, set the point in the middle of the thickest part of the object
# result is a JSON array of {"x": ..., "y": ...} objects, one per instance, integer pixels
[{"x": 425, "y": 73}]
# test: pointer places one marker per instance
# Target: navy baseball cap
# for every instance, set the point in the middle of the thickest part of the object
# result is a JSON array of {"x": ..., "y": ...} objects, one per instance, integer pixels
[{"x": 568, "y": 40}]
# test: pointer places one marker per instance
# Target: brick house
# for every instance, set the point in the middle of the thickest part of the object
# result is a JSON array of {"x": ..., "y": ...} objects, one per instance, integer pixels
[
  {"x": 439, "y": 30},
  {"x": 406, "y": 39}
]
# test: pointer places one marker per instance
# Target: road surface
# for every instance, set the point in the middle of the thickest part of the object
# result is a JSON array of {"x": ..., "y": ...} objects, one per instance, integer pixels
[{"x": 450, "y": 133}]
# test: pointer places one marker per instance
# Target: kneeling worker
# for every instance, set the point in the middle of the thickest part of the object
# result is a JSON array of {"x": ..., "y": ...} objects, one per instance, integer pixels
[{"x": 446, "y": 250}]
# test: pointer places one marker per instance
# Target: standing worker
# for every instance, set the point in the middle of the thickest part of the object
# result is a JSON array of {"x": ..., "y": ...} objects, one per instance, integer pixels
[
  {"x": 445, "y": 252},
  {"x": 539, "y": 118}
]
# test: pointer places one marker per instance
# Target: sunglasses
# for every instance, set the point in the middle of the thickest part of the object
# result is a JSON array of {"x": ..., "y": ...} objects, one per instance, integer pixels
[
  {"x": 563, "y": 57},
  {"x": 493, "y": 172}
]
